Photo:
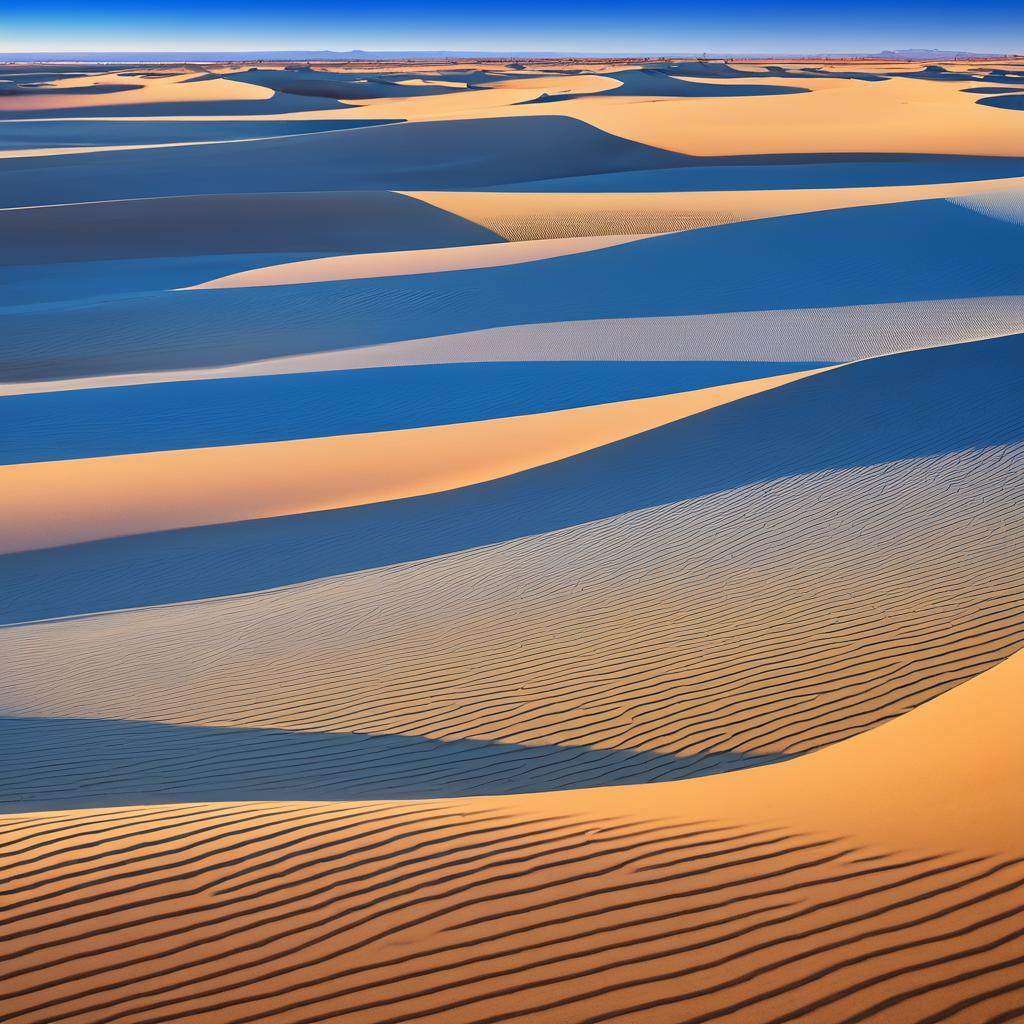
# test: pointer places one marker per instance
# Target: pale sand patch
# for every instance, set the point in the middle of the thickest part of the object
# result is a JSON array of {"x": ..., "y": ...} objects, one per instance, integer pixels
[
  {"x": 413, "y": 261},
  {"x": 47, "y": 504},
  {"x": 11, "y": 154},
  {"x": 822, "y": 334}
]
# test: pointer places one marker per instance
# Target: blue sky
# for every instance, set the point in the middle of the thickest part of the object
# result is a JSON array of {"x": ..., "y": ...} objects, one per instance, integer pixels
[{"x": 514, "y": 25}]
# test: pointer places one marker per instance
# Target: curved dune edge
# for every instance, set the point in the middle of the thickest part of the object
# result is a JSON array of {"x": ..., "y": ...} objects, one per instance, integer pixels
[
  {"x": 876, "y": 881},
  {"x": 532, "y": 215},
  {"x": 825, "y": 334},
  {"x": 942, "y": 776},
  {"x": 48, "y": 504},
  {"x": 413, "y": 261}
]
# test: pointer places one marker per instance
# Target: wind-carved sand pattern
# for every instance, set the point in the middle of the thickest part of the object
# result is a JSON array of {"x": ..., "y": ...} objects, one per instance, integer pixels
[{"x": 495, "y": 542}]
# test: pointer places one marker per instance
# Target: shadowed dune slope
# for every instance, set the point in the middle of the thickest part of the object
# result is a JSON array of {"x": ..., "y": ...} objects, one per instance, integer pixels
[
  {"x": 863, "y": 883},
  {"x": 441, "y": 154},
  {"x": 336, "y": 86},
  {"x": 821, "y": 259},
  {"x": 1015, "y": 102},
  {"x": 123, "y": 763},
  {"x": 336, "y": 222}
]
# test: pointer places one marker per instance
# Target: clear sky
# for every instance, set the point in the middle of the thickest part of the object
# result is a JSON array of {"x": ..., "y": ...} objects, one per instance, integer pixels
[{"x": 613, "y": 26}]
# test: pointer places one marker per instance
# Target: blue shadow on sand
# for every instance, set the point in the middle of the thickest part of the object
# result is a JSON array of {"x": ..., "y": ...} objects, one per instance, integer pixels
[{"x": 48, "y": 763}]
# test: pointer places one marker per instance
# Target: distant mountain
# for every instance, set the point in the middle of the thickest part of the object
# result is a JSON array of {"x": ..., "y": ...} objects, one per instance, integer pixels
[{"x": 926, "y": 55}]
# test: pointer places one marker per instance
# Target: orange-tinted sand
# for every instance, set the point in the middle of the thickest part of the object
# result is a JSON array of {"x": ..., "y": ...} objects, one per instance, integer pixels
[{"x": 864, "y": 882}]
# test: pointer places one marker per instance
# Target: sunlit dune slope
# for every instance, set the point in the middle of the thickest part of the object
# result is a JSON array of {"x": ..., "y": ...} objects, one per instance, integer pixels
[{"x": 866, "y": 883}]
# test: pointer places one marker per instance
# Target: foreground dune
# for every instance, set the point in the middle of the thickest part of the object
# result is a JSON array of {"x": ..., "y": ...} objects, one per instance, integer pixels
[{"x": 866, "y": 882}]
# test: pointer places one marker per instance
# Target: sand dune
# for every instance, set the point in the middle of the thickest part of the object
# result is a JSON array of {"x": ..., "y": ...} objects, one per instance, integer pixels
[
  {"x": 778, "y": 892},
  {"x": 407, "y": 156},
  {"x": 126, "y": 94},
  {"x": 869, "y": 413},
  {"x": 837, "y": 613},
  {"x": 48, "y": 504},
  {"x": 605, "y": 649}
]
